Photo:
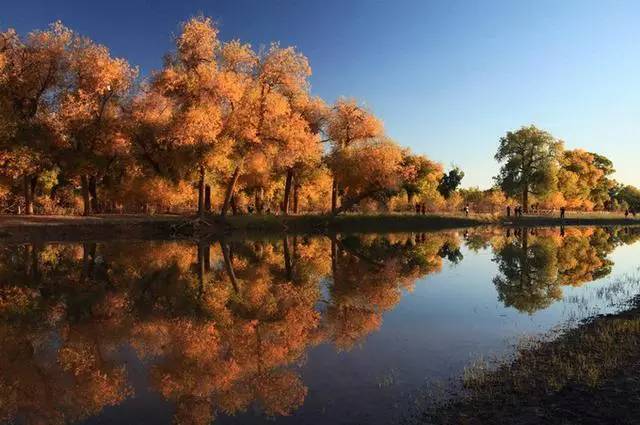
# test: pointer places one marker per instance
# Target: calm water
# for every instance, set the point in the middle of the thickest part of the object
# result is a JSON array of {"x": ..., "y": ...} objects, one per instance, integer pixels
[{"x": 309, "y": 330}]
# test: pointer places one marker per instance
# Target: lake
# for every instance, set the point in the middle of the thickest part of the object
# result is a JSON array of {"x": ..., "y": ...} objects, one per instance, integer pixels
[{"x": 341, "y": 329}]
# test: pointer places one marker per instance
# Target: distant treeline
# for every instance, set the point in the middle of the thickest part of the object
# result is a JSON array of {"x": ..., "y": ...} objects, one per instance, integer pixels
[{"x": 227, "y": 128}]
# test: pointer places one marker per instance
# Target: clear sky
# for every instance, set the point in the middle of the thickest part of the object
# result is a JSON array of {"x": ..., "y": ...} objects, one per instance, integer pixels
[{"x": 447, "y": 77}]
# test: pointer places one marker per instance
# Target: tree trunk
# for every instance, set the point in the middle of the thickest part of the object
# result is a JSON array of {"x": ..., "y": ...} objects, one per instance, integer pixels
[
  {"x": 287, "y": 258},
  {"x": 200, "y": 269},
  {"x": 34, "y": 194},
  {"x": 234, "y": 205},
  {"x": 88, "y": 261},
  {"x": 525, "y": 199},
  {"x": 296, "y": 197},
  {"x": 203, "y": 253},
  {"x": 334, "y": 196},
  {"x": 201, "y": 190},
  {"x": 287, "y": 192},
  {"x": 230, "y": 189},
  {"x": 207, "y": 257},
  {"x": 259, "y": 199},
  {"x": 28, "y": 199},
  {"x": 228, "y": 264},
  {"x": 86, "y": 198},
  {"x": 93, "y": 192},
  {"x": 207, "y": 198},
  {"x": 524, "y": 272},
  {"x": 334, "y": 259},
  {"x": 410, "y": 198},
  {"x": 294, "y": 250}
]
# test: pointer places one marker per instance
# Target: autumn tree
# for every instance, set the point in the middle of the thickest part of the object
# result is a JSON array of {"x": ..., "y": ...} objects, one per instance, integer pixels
[
  {"x": 268, "y": 121},
  {"x": 199, "y": 94},
  {"x": 92, "y": 118},
  {"x": 420, "y": 175},
  {"x": 301, "y": 152},
  {"x": 530, "y": 163},
  {"x": 312, "y": 189},
  {"x": 490, "y": 200},
  {"x": 348, "y": 123},
  {"x": 32, "y": 75},
  {"x": 600, "y": 194},
  {"x": 367, "y": 169},
  {"x": 577, "y": 177}
]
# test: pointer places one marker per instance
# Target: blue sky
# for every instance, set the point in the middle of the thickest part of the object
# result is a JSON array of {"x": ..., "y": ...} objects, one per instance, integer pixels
[{"x": 447, "y": 77}]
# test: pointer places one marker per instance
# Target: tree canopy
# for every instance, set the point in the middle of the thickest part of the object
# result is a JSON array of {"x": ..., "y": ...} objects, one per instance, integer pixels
[
  {"x": 225, "y": 126},
  {"x": 529, "y": 157}
]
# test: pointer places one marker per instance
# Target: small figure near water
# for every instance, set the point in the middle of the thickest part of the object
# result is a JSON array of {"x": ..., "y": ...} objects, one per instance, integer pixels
[
  {"x": 562, "y": 211},
  {"x": 466, "y": 210},
  {"x": 517, "y": 211}
]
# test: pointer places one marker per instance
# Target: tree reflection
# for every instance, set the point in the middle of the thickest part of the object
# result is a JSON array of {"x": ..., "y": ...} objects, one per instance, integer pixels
[
  {"x": 222, "y": 325},
  {"x": 369, "y": 275},
  {"x": 534, "y": 264},
  {"x": 528, "y": 269}
]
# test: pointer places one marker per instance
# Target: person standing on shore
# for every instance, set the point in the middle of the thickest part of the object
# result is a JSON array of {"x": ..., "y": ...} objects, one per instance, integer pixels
[{"x": 562, "y": 211}]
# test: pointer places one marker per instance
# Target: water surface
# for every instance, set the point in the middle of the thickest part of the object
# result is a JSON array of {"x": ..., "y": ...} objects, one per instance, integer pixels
[{"x": 313, "y": 330}]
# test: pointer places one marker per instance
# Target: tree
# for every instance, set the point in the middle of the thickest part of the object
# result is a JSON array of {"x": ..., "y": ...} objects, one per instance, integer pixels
[
  {"x": 450, "y": 181},
  {"x": 301, "y": 150},
  {"x": 530, "y": 163},
  {"x": 367, "y": 169},
  {"x": 528, "y": 273},
  {"x": 600, "y": 193},
  {"x": 32, "y": 75},
  {"x": 420, "y": 175},
  {"x": 91, "y": 116},
  {"x": 265, "y": 121},
  {"x": 312, "y": 189},
  {"x": 198, "y": 94},
  {"x": 348, "y": 123},
  {"x": 629, "y": 195},
  {"x": 578, "y": 177}
]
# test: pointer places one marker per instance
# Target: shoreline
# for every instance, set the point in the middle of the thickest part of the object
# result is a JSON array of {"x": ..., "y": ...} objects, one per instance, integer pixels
[
  {"x": 133, "y": 227},
  {"x": 552, "y": 381}
]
